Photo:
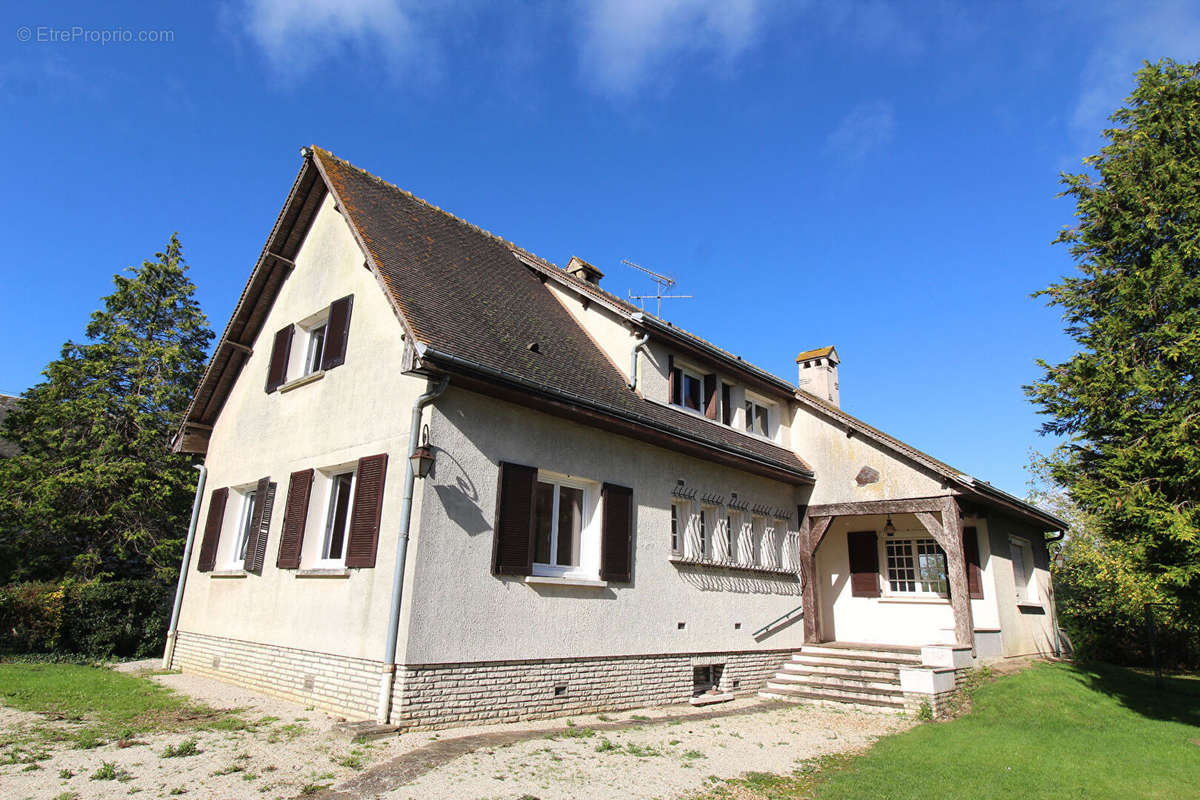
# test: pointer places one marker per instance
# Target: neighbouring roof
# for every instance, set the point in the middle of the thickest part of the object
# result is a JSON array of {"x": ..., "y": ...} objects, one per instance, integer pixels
[
  {"x": 7, "y": 403},
  {"x": 470, "y": 302}
]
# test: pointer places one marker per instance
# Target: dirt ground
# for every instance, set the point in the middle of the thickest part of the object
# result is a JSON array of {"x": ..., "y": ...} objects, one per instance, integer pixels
[{"x": 652, "y": 753}]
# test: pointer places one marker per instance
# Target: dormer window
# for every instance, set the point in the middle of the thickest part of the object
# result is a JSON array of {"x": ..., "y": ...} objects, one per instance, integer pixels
[{"x": 758, "y": 418}]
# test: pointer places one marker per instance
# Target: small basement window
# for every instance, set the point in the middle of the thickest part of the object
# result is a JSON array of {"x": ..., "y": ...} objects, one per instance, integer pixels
[{"x": 706, "y": 679}]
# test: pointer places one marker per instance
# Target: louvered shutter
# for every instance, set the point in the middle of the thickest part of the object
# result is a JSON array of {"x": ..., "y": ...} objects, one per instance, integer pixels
[
  {"x": 281, "y": 351},
  {"x": 971, "y": 556},
  {"x": 512, "y": 546},
  {"x": 864, "y": 563},
  {"x": 368, "y": 505},
  {"x": 726, "y": 405},
  {"x": 295, "y": 515},
  {"x": 337, "y": 333},
  {"x": 256, "y": 546},
  {"x": 212, "y": 530},
  {"x": 674, "y": 382},
  {"x": 710, "y": 396},
  {"x": 616, "y": 543}
]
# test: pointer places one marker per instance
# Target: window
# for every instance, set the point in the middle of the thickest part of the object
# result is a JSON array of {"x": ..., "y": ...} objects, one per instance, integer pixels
[
  {"x": 702, "y": 533},
  {"x": 244, "y": 529},
  {"x": 916, "y": 566},
  {"x": 337, "y": 517},
  {"x": 731, "y": 536},
  {"x": 1023, "y": 578},
  {"x": 316, "y": 348},
  {"x": 677, "y": 521},
  {"x": 757, "y": 540},
  {"x": 757, "y": 418},
  {"x": 561, "y": 514}
]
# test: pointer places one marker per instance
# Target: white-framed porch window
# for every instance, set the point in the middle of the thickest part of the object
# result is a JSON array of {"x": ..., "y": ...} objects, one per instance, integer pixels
[
  {"x": 340, "y": 486},
  {"x": 679, "y": 518},
  {"x": 915, "y": 567},
  {"x": 1023, "y": 574},
  {"x": 566, "y": 539}
]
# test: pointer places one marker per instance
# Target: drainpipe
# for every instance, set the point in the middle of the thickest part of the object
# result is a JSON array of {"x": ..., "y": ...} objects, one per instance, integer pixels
[
  {"x": 633, "y": 360},
  {"x": 169, "y": 653},
  {"x": 410, "y": 479}
]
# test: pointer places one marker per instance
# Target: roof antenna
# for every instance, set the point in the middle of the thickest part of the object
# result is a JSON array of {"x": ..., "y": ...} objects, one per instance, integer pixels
[{"x": 664, "y": 282}]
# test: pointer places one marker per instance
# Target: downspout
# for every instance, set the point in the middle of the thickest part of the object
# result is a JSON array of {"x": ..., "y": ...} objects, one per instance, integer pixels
[
  {"x": 410, "y": 479},
  {"x": 172, "y": 629},
  {"x": 1058, "y": 648},
  {"x": 633, "y": 360}
]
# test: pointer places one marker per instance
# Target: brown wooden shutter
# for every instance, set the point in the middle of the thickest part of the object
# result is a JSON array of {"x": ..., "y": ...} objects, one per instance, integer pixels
[
  {"x": 368, "y": 505},
  {"x": 256, "y": 546},
  {"x": 674, "y": 382},
  {"x": 971, "y": 556},
  {"x": 281, "y": 350},
  {"x": 212, "y": 530},
  {"x": 710, "y": 396},
  {"x": 337, "y": 333},
  {"x": 616, "y": 543},
  {"x": 726, "y": 405},
  {"x": 295, "y": 515},
  {"x": 512, "y": 546},
  {"x": 864, "y": 563}
]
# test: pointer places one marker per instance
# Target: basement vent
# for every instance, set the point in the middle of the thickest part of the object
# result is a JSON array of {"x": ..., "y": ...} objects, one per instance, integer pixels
[
  {"x": 308, "y": 683},
  {"x": 216, "y": 662},
  {"x": 560, "y": 690},
  {"x": 681, "y": 625}
]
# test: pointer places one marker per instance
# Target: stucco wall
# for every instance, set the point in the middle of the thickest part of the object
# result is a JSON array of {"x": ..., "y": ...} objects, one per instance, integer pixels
[
  {"x": 458, "y": 612},
  {"x": 357, "y": 409},
  {"x": 837, "y": 458},
  {"x": 1030, "y": 628}
]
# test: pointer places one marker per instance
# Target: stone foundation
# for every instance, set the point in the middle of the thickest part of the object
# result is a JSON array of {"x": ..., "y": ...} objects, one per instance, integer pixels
[
  {"x": 441, "y": 695},
  {"x": 333, "y": 683}
]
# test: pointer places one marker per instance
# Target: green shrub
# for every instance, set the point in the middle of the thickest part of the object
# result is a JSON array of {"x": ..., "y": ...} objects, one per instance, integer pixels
[{"x": 97, "y": 619}]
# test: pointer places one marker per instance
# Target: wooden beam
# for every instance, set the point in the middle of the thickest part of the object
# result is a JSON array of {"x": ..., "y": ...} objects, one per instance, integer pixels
[
  {"x": 820, "y": 526},
  {"x": 907, "y": 505},
  {"x": 948, "y": 534},
  {"x": 237, "y": 346}
]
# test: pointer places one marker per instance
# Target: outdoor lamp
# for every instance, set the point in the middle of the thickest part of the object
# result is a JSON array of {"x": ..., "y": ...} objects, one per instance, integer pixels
[
  {"x": 422, "y": 457},
  {"x": 889, "y": 529}
]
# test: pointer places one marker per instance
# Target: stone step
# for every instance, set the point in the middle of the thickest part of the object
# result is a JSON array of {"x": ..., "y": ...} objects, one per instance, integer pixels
[
  {"x": 848, "y": 681},
  {"x": 821, "y": 698},
  {"x": 843, "y": 666},
  {"x": 855, "y": 654},
  {"x": 836, "y": 690},
  {"x": 869, "y": 647}
]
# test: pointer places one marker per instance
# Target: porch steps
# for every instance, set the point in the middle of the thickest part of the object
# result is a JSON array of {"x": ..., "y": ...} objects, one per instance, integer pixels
[{"x": 846, "y": 674}]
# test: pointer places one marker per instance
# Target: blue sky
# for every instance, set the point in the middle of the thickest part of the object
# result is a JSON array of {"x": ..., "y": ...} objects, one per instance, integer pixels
[{"x": 878, "y": 176}]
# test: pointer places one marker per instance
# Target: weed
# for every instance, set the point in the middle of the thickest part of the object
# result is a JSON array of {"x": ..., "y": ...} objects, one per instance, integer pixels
[
  {"x": 673, "y": 742},
  {"x": 606, "y": 746},
  {"x": 312, "y": 788},
  {"x": 232, "y": 768},
  {"x": 66, "y": 796},
  {"x": 188, "y": 747},
  {"x": 604, "y": 717},
  {"x": 86, "y": 739},
  {"x": 178, "y": 790},
  {"x": 925, "y": 712},
  {"x": 692, "y": 755},
  {"x": 642, "y": 751},
  {"x": 356, "y": 759},
  {"x": 66, "y": 774},
  {"x": 109, "y": 771},
  {"x": 639, "y": 717},
  {"x": 31, "y": 767},
  {"x": 575, "y": 733}
]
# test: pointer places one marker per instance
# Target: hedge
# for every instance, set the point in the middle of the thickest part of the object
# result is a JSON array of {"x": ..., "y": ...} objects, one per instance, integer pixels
[{"x": 99, "y": 619}]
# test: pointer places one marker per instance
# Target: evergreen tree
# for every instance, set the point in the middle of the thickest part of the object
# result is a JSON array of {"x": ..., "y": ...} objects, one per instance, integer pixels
[
  {"x": 1129, "y": 399},
  {"x": 95, "y": 490}
]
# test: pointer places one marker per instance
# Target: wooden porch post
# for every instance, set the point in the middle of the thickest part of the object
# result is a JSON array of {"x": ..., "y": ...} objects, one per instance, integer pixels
[
  {"x": 812, "y": 530},
  {"x": 948, "y": 534}
]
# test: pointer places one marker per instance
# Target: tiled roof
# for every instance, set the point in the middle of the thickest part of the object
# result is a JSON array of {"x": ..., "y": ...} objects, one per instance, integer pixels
[
  {"x": 464, "y": 292},
  {"x": 820, "y": 352}
]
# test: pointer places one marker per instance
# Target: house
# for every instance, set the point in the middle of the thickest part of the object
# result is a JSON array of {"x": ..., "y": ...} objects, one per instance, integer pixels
[{"x": 447, "y": 480}]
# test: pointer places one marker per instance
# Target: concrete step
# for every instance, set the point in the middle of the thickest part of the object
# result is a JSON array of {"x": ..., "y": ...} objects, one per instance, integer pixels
[
  {"x": 855, "y": 654},
  {"x": 837, "y": 690},
  {"x": 822, "y": 698},
  {"x": 786, "y": 676},
  {"x": 844, "y": 667}
]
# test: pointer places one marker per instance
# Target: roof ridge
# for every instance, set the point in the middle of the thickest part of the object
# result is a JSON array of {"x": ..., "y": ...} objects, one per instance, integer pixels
[{"x": 434, "y": 207}]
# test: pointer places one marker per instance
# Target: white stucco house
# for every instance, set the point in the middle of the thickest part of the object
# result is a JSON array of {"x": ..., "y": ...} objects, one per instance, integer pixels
[{"x": 447, "y": 480}]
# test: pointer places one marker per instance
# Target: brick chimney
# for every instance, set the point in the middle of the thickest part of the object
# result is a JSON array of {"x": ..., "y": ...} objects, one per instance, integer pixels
[
  {"x": 819, "y": 374},
  {"x": 584, "y": 271}
]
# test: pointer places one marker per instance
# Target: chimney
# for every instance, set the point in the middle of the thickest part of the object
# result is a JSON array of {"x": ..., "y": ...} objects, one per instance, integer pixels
[
  {"x": 584, "y": 271},
  {"x": 819, "y": 374}
]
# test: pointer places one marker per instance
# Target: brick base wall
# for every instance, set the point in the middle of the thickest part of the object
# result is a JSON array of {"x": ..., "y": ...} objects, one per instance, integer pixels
[
  {"x": 333, "y": 683},
  {"x": 440, "y": 695}
]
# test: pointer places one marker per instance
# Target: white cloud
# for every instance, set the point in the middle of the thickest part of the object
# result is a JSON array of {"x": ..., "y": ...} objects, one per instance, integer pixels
[
  {"x": 1133, "y": 33},
  {"x": 625, "y": 42},
  {"x": 867, "y": 128}
]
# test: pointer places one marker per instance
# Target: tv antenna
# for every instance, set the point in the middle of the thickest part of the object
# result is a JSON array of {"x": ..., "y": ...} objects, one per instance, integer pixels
[{"x": 664, "y": 282}]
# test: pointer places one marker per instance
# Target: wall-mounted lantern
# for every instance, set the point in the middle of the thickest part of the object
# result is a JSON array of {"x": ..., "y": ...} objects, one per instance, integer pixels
[{"x": 422, "y": 457}]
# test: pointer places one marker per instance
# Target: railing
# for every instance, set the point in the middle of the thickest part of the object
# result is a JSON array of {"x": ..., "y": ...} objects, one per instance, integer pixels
[{"x": 798, "y": 611}]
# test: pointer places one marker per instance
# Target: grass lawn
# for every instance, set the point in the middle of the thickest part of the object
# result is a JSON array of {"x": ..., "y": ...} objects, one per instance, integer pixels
[
  {"x": 1052, "y": 731},
  {"x": 103, "y": 704}
]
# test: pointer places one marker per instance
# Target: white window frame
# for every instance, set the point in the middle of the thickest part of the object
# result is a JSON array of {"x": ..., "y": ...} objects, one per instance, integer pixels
[
  {"x": 686, "y": 372},
  {"x": 732, "y": 527},
  {"x": 245, "y": 520},
  {"x": 312, "y": 353},
  {"x": 758, "y": 535},
  {"x": 330, "y": 477},
  {"x": 679, "y": 526},
  {"x": 772, "y": 410},
  {"x": 589, "y": 530},
  {"x": 303, "y": 361},
  {"x": 915, "y": 540},
  {"x": 704, "y": 531},
  {"x": 1024, "y": 579}
]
